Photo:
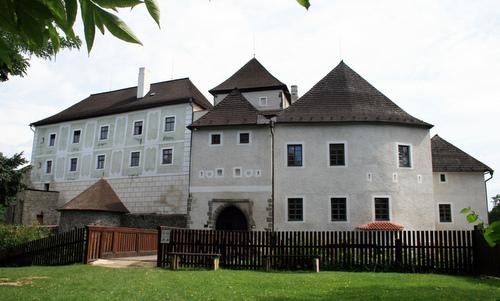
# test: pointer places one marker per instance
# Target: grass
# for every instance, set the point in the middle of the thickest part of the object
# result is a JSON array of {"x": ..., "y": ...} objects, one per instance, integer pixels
[{"x": 81, "y": 282}]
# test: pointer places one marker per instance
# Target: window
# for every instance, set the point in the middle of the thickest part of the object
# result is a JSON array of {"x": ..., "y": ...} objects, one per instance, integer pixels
[
  {"x": 445, "y": 213},
  {"x": 39, "y": 218},
  {"x": 137, "y": 128},
  {"x": 76, "y": 136},
  {"x": 442, "y": 178},
  {"x": 135, "y": 158},
  {"x": 167, "y": 156},
  {"x": 48, "y": 167},
  {"x": 339, "y": 209},
  {"x": 100, "y": 161},
  {"x": 294, "y": 155},
  {"x": 73, "y": 162},
  {"x": 263, "y": 101},
  {"x": 404, "y": 156},
  {"x": 295, "y": 210},
  {"x": 170, "y": 124},
  {"x": 382, "y": 209},
  {"x": 52, "y": 139},
  {"x": 104, "y": 132},
  {"x": 215, "y": 139},
  {"x": 244, "y": 138},
  {"x": 337, "y": 154},
  {"x": 237, "y": 172},
  {"x": 219, "y": 172},
  {"x": 46, "y": 186}
]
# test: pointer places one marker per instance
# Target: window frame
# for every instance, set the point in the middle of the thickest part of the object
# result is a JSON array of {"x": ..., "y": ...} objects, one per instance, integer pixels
[
  {"x": 97, "y": 162},
  {"x": 445, "y": 178},
  {"x": 303, "y": 209},
  {"x": 410, "y": 151},
  {"x": 107, "y": 133},
  {"x": 266, "y": 100},
  {"x": 71, "y": 164},
  {"x": 130, "y": 159},
  {"x": 330, "y": 197},
  {"x": 439, "y": 212},
  {"x": 161, "y": 155},
  {"x": 216, "y": 172},
  {"x": 303, "y": 154},
  {"x": 238, "y": 136},
  {"x": 79, "y": 137},
  {"x": 210, "y": 138},
  {"x": 49, "y": 140},
  {"x": 51, "y": 166},
  {"x": 389, "y": 202},
  {"x": 234, "y": 172},
  {"x": 165, "y": 123},
  {"x": 345, "y": 153},
  {"x": 142, "y": 128}
]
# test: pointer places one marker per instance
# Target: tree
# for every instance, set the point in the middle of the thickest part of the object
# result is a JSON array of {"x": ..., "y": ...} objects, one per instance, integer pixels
[
  {"x": 11, "y": 177},
  {"x": 494, "y": 214},
  {"x": 491, "y": 232}
]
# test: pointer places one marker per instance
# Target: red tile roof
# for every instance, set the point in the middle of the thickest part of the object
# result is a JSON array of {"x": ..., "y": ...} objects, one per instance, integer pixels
[{"x": 381, "y": 226}]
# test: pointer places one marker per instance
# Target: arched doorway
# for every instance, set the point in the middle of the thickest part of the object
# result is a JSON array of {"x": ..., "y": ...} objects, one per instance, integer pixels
[{"x": 231, "y": 218}]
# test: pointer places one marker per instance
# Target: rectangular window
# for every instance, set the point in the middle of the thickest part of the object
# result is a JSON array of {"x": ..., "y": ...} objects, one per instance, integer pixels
[
  {"x": 135, "y": 158},
  {"x": 100, "y": 161},
  {"x": 382, "y": 209},
  {"x": 137, "y": 128},
  {"x": 295, "y": 210},
  {"x": 294, "y": 154},
  {"x": 73, "y": 162},
  {"x": 445, "y": 213},
  {"x": 170, "y": 124},
  {"x": 48, "y": 167},
  {"x": 339, "y": 209},
  {"x": 46, "y": 186},
  {"x": 237, "y": 172},
  {"x": 219, "y": 172},
  {"x": 167, "y": 156},
  {"x": 404, "y": 156},
  {"x": 52, "y": 139},
  {"x": 263, "y": 101},
  {"x": 215, "y": 139},
  {"x": 76, "y": 136},
  {"x": 442, "y": 178},
  {"x": 244, "y": 138},
  {"x": 104, "y": 132},
  {"x": 337, "y": 154}
]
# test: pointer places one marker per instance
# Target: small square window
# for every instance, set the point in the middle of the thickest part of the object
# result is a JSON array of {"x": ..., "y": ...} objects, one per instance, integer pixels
[
  {"x": 48, "y": 167},
  {"x": 382, "y": 209},
  {"x": 244, "y": 138},
  {"x": 294, "y": 155},
  {"x": 442, "y": 178},
  {"x": 76, "y": 136},
  {"x": 237, "y": 172},
  {"x": 137, "y": 128},
  {"x": 215, "y": 139},
  {"x": 445, "y": 213},
  {"x": 337, "y": 154},
  {"x": 167, "y": 156},
  {"x": 295, "y": 210},
  {"x": 52, "y": 139},
  {"x": 100, "y": 161},
  {"x": 46, "y": 186},
  {"x": 263, "y": 101},
  {"x": 104, "y": 132},
  {"x": 404, "y": 156},
  {"x": 170, "y": 124},
  {"x": 73, "y": 163},
  {"x": 135, "y": 158},
  {"x": 219, "y": 172},
  {"x": 339, "y": 209}
]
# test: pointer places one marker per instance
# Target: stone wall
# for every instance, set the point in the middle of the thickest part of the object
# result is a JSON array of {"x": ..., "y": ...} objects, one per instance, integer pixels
[
  {"x": 30, "y": 203},
  {"x": 78, "y": 219},
  {"x": 152, "y": 221}
]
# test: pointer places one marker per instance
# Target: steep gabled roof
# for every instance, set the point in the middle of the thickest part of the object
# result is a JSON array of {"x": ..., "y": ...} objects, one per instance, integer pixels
[
  {"x": 125, "y": 100},
  {"x": 234, "y": 109},
  {"x": 344, "y": 96},
  {"x": 98, "y": 197},
  {"x": 253, "y": 76},
  {"x": 447, "y": 157}
]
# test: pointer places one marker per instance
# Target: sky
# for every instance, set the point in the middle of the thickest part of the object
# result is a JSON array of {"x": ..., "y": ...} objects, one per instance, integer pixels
[{"x": 438, "y": 60}]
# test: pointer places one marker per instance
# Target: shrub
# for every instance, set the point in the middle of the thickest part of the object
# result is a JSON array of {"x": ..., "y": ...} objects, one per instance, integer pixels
[{"x": 11, "y": 236}]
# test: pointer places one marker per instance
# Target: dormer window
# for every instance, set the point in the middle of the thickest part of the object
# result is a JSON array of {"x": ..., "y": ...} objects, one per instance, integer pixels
[{"x": 263, "y": 102}]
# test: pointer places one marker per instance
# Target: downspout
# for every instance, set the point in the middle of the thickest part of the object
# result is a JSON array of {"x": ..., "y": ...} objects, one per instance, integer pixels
[
  {"x": 271, "y": 127},
  {"x": 486, "y": 191},
  {"x": 190, "y": 158}
]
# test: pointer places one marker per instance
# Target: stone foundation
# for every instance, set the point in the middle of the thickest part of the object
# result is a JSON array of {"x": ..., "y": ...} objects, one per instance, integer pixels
[{"x": 78, "y": 219}]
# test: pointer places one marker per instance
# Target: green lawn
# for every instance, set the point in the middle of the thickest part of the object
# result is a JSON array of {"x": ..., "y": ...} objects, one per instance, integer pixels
[{"x": 80, "y": 282}]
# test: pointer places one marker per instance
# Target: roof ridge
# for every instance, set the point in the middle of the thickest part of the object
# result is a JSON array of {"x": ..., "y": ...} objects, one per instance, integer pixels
[{"x": 132, "y": 87}]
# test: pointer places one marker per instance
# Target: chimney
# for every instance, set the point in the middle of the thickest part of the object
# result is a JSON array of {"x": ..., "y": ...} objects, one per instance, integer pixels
[
  {"x": 143, "y": 84},
  {"x": 294, "y": 92}
]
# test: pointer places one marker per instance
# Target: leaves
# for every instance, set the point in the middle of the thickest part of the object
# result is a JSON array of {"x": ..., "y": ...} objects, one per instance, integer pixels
[
  {"x": 116, "y": 26},
  {"x": 153, "y": 10},
  {"x": 472, "y": 217},
  {"x": 304, "y": 3},
  {"x": 465, "y": 210},
  {"x": 492, "y": 234}
]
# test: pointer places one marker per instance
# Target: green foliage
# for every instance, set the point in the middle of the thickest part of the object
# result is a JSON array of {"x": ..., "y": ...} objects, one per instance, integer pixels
[
  {"x": 11, "y": 177},
  {"x": 494, "y": 214},
  {"x": 304, "y": 3},
  {"x": 491, "y": 232},
  {"x": 43, "y": 27},
  {"x": 11, "y": 235}
]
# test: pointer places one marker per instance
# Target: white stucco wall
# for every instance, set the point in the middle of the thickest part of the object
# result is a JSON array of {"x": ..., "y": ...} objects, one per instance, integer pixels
[
  {"x": 274, "y": 98},
  {"x": 370, "y": 149},
  {"x": 461, "y": 190}
]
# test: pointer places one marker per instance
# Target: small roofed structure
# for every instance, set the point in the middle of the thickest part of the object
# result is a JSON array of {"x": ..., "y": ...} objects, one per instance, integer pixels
[
  {"x": 381, "y": 226},
  {"x": 97, "y": 205}
]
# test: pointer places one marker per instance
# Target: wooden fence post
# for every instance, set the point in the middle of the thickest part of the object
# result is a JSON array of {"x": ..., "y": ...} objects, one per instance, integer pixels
[
  {"x": 159, "y": 252},
  {"x": 399, "y": 251},
  {"x": 476, "y": 251},
  {"x": 86, "y": 245}
]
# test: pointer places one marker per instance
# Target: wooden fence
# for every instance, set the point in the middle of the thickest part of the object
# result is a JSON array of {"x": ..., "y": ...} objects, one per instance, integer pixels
[
  {"x": 64, "y": 248},
  {"x": 450, "y": 252},
  {"x": 107, "y": 242}
]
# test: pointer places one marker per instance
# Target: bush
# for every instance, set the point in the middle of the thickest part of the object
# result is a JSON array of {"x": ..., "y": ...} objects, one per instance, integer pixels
[{"x": 11, "y": 236}]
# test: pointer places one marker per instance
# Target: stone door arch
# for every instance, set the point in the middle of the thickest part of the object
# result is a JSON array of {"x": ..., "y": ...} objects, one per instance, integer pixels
[{"x": 231, "y": 218}]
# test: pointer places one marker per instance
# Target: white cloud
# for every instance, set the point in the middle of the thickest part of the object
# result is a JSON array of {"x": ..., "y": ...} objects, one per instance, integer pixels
[{"x": 439, "y": 60}]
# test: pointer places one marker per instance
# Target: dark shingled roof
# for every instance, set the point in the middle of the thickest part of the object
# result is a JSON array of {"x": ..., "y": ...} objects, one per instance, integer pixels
[
  {"x": 251, "y": 77},
  {"x": 98, "y": 197},
  {"x": 344, "y": 96},
  {"x": 447, "y": 157},
  {"x": 234, "y": 109},
  {"x": 125, "y": 100}
]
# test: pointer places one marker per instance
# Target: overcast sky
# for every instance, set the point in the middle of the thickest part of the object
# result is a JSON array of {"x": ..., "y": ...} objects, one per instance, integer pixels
[{"x": 438, "y": 60}]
